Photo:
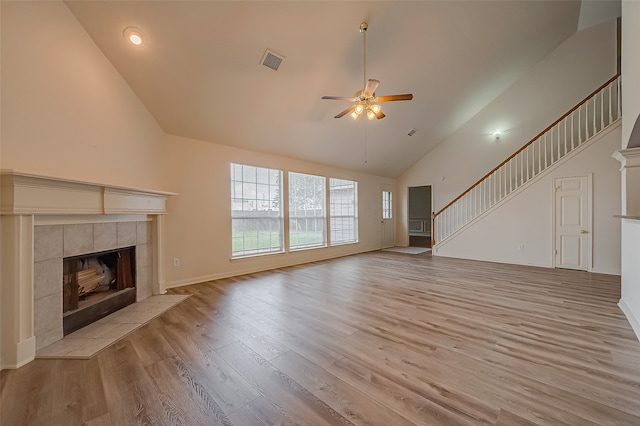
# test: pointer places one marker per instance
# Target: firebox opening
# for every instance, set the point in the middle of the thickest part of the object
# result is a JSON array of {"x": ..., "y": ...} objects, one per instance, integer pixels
[{"x": 96, "y": 285}]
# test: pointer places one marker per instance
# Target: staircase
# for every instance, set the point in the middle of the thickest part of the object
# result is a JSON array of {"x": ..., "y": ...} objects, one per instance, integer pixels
[{"x": 587, "y": 119}]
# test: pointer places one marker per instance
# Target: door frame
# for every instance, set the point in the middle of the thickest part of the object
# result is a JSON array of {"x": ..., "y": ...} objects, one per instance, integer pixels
[
  {"x": 394, "y": 211},
  {"x": 554, "y": 246},
  {"x": 408, "y": 218}
]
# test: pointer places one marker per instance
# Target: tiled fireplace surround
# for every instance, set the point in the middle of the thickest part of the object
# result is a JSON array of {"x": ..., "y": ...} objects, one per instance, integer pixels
[
  {"x": 51, "y": 243},
  {"x": 43, "y": 220}
]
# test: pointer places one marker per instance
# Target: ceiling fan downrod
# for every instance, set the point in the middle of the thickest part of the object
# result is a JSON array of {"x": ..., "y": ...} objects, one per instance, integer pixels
[{"x": 363, "y": 30}]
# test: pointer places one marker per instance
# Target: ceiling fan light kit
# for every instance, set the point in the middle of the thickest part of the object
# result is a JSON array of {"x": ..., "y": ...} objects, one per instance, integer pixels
[{"x": 366, "y": 100}]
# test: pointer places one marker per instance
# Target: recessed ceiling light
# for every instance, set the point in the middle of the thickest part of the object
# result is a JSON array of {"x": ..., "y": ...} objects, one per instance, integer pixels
[{"x": 133, "y": 36}]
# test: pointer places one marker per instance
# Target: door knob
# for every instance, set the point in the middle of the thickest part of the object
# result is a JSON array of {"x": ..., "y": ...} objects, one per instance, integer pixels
[{"x": 584, "y": 231}]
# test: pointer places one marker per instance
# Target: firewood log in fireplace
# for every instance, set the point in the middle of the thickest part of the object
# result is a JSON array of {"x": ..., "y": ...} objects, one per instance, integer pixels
[{"x": 88, "y": 281}]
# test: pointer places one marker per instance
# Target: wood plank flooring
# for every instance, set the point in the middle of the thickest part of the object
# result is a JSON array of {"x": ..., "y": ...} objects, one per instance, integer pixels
[{"x": 373, "y": 339}]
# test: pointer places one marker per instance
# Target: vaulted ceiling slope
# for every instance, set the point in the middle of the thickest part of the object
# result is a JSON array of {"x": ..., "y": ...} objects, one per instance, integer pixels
[{"x": 199, "y": 70}]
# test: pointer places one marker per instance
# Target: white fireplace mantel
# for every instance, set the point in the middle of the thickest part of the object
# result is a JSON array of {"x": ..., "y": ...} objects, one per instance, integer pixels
[
  {"x": 23, "y": 193},
  {"x": 24, "y": 198}
]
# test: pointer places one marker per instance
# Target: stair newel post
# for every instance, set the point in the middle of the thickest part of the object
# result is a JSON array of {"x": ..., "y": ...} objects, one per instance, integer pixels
[
  {"x": 433, "y": 229},
  {"x": 618, "y": 97}
]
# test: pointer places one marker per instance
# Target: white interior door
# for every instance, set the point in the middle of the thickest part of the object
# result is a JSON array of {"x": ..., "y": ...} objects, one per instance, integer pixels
[
  {"x": 387, "y": 223},
  {"x": 573, "y": 223}
]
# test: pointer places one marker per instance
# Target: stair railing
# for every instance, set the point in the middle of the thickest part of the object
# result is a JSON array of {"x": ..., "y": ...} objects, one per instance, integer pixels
[{"x": 582, "y": 122}]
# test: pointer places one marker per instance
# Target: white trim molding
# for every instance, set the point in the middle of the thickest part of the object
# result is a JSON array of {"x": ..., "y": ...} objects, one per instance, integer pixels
[
  {"x": 24, "y": 193},
  {"x": 626, "y": 310},
  {"x": 630, "y": 168}
]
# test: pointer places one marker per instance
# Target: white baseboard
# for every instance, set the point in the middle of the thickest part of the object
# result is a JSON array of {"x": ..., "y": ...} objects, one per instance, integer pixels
[
  {"x": 635, "y": 324},
  {"x": 253, "y": 270},
  {"x": 606, "y": 271},
  {"x": 25, "y": 352}
]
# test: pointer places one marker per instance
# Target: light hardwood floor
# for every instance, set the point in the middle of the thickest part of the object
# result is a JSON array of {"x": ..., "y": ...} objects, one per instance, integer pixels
[{"x": 378, "y": 338}]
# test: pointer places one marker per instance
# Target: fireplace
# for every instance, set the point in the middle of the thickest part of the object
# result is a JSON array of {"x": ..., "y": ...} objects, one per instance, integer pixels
[
  {"x": 64, "y": 253},
  {"x": 45, "y": 220},
  {"x": 96, "y": 285}
]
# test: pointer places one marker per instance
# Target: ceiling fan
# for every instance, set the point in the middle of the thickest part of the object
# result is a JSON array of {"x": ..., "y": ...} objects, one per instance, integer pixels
[{"x": 366, "y": 100}]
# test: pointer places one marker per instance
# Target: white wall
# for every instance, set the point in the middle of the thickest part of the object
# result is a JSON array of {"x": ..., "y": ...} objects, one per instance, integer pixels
[
  {"x": 593, "y": 12},
  {"x": 66, "y": 111},
  {"x": 630, "y": 67},
  {"x": 527, "y": 218},
  {"x": 630, "y": 301},
  {"x": 198, "y": 226},
  {"x": 561, "y": 80}
]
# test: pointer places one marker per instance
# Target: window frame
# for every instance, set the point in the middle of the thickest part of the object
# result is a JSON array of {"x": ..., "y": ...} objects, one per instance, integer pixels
[
  {"x": 293, "y": 212},
  {"x": 387, "y": 204},
  {"x": 274, "y": 191},
  {"x": 334, "y": 218}
]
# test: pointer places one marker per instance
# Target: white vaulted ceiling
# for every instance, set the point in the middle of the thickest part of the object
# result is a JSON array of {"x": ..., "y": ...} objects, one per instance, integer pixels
[{"x": 199, "y": 70}]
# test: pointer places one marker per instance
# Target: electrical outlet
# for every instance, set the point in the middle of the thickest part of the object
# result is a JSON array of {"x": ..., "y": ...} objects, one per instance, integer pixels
[
  {"x": 176, "y": 262},
  {"x": 521, "y": 247}
]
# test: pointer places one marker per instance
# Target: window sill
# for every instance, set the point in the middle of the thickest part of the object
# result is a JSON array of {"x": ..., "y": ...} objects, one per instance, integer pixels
[{"x": 254, "y": 256}]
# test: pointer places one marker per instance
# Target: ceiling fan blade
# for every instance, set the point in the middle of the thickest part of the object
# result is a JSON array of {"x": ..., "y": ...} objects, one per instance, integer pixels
[
  {"x": 346, "y": 111},
  {"x": 380, "y": 115},
  {"x": 339, "y": 98},
  {"x": 391, "y": 98},
  {"x": 370, "y": 88}
]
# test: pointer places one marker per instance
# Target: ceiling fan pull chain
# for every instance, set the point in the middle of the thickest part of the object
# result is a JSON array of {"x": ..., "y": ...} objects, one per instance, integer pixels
[{"x": 365, "y": 144}]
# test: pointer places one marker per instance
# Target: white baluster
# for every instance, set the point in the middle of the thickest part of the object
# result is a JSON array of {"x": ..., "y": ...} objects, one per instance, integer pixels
[
  {"x": 572, "y": 123},
  {"x": 539, "y": 157},
  {"x": 545, "y": 151},
  {"x": 601, "y": 111},
  {"x": 554, "y": 142},
  {"x": 609, "y": 105},
  {"x": 466, "y": 208},
  {"x": 566, "y": 132},
  {"x": 485, "y": 193},
  {"x": 579, "y": 125},
  {"x": 473, "y": 201},
  {"x": 594, "y": 116},
  {"x": 565, "y": 135}
]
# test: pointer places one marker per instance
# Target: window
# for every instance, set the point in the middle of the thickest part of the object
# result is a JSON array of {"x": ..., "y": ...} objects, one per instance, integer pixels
[
  {"x": 256, "y": 213},
  {"x": 387, "y": 203},
  {"x": 343, "y": 211},
  {"x": 307, "y": 218}
]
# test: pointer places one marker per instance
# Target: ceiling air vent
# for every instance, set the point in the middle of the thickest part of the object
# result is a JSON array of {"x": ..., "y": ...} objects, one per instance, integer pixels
[{"x": 271, "y": 59}]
